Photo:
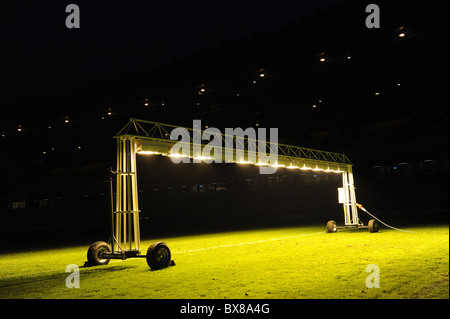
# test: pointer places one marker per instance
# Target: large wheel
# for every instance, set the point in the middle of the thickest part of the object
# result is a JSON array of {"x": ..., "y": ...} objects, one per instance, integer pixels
[
  {"x": 158, "y": 256},
  {"x": 373, "y": 226},
  {"x": 331, "y": 226},
  {"x": 94, "y": 253}
]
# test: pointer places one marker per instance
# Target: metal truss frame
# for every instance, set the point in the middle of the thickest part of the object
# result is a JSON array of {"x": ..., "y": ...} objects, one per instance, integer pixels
[{"x": 142, "y": 136}]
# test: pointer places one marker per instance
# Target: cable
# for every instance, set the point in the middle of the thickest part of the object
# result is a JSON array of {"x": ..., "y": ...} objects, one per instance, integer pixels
[{"x": 364, "y": 210}]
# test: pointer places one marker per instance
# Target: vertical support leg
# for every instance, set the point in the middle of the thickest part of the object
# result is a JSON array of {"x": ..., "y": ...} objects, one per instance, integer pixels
[
  {"x": 349, "y": 205},
  {"x": 127, "y": 209},
  {"x": 345, "y": 204},
  {"x": 135, "y": 201},
  {"x": 352, "y": 203},
  {"x": 118, "y": 196},
  {"x": 124, "y": 208}
]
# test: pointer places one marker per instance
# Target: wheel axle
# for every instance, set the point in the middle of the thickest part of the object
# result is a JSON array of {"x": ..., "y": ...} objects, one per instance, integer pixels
[
  {"x": 372, "y": 226},
  {"x": 158, "y": 255}
]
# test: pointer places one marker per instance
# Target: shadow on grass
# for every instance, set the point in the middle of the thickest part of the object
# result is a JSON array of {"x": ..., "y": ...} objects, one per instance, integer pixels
[
  {"x": 88, "y": 270},
  {"x": 57, "y": 276}
]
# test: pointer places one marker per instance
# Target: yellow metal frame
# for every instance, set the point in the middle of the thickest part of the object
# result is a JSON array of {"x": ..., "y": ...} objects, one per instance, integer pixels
[
  {"x": 141, "y": 136},
  {"x": 126, "y": 213}
]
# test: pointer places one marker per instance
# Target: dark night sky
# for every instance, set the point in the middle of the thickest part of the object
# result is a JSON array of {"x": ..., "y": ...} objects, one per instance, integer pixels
[
  {"x": 39, "y": 56},
  {"x": 50, "y": 73}
]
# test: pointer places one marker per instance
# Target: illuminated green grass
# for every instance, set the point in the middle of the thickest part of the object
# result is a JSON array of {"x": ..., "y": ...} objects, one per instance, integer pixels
[{"x": 294, "y": 263}]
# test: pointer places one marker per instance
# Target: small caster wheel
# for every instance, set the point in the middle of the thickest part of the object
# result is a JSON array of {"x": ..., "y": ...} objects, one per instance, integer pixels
[
  {"x": 331, "y": 226},
  {"x": 158, "y": 256},
  {"x": 94, "y": 254},
  {"x": 373, "y": 226}
]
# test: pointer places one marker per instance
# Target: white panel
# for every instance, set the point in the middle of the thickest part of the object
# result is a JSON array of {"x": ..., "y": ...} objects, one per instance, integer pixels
[{"x": 341, "y": 195}]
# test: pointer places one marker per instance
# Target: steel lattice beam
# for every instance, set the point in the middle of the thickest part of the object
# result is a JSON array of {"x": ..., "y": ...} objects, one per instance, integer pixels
[{"x": 158, "y": 134}]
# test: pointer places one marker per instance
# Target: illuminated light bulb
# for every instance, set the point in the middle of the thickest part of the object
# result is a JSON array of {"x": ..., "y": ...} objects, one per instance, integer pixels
[
  {"x": 146, "y": 104},
  {"x": 322, "y": 60},
  {"x": 401, "y": 35},
  {"x": 262, "y": 164},
  {"x": 377, "y": 93},
  {"x": 261, "y": 75},
  {"x": 292, "y": 166},
  {"x": 305, "y": 167},
  {"x": 278, "y": 165},
  {"x": 147, "y": 153},
  {"x": 44, "y": 152},
  {"x": 314, "y": 105},
  {"x": 202, "y": 158},
  {"x": 202, "y": 90},
  {"x": 243, "y": 162},
  {"x": 177, "y": 155}
]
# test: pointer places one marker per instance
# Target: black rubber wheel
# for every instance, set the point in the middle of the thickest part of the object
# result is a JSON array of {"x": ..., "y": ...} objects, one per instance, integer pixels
[
  {"x": 331, "y": 226},
  {"x": 373, "y": 226},
  {"x": 94, "y": 253},
  {"x": 158, "y": 256}
]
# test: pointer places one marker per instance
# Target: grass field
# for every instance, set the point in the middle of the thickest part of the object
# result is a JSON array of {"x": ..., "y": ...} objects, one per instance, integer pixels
[{"x": 279, "y": 263}]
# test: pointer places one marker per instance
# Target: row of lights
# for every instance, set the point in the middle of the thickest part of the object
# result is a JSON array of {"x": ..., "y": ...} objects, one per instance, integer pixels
[{"x": 243, "y": 162}]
